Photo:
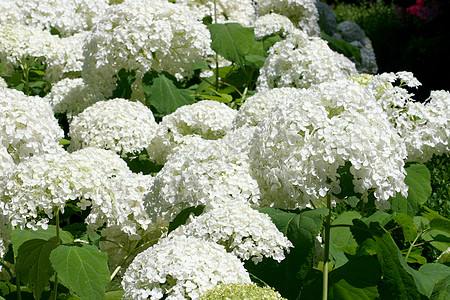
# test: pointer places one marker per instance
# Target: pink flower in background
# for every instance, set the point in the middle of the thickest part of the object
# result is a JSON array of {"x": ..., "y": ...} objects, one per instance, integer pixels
[{"x": 424, "y": 11}]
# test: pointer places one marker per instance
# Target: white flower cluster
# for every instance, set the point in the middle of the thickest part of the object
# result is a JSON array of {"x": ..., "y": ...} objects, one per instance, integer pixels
[
  {"x": 143, "y": 35},
  {"x": 301, "y": 61},
  {"x": 71, "y": 97},
  {"x": 180, "y": 267},
  {"x": 208, "y": 172},
  {"x": 95, "y": 178},
  {"x": 6, "y": 165},
  {"x": 237, "y": 11},
  {"x": 303, "y": 13},
  {"x": 119, "y": 125},
  {"x": 62, "y": 55},
  {"x": 3, "y": 83},
  {"x": 11, "y": 13},
  {"x": 27, "y": 125},
  {"x": 261, "y": 104},
  {"x": 241, "y": 291},
  {"x": 273, "y": 24},
  {"x": 299, "y": 147},
  {"x": 66, "y": 16},
  {"x": 243, "y": 231},
  {"x": 207, "y": 119},
  {"x": 424, "y": 127}
]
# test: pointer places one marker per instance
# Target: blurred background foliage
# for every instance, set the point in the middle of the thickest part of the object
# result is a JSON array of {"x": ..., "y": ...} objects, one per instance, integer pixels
[{"x": 407, "y": 35}]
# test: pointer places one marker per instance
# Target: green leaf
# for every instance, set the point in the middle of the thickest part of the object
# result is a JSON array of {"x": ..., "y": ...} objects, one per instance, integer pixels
[
  {"x": 301, "y": 229},
  {"x": 269, "y": 41},
  {"x": 357, "y": 279},
  {"x": 83, "y": 270},
  {"x": 233, "y": 41},
  {"x": 419, "y": 189},
  {"x": 114, "y": 295},
  {"x": 163, "y": 94},
  {"x": 441, "y": 290},
  {"x": 33, "y": 264},
  {"x": 18, "y": 236},
  {"x": 182, "y": 217},
  {"x": 397, "y": 279},
  {"x": 342, "y": 236},
  {"x": 64, "y": 142},
  {"x": 415, "y": 256},
  {"x": 408, "y": 227},
  {"x": 124, "y": 80},
  {"x": 435, "y": 272}
]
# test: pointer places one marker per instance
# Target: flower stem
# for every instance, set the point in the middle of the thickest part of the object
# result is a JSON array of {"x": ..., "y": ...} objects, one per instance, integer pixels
[{"x": 327, "y": 250}]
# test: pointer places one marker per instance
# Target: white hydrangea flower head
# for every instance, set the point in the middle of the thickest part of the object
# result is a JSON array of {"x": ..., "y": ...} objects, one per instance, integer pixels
[
  {"x": 243, "y": 231},
  {"x": 11, "y": 13},
  {"x": 7, "y": 165},
  {"x": 95, "y": 178},
  {"x": 241, "y": 291},
  {"x": 120, "y": 125},
  {"x": 301, "y": 61},
  {"x": 299, "y": 147},
  {"x": 143, "y": 35},
  {"x": 71, "y": 96},
  {"x": 256, "y": 107},
  {"x": 66, "y": 16},
  {"x": 237, "y": 11},
  {"x": 240, "y": 139},
  {"x": 62, "y": 55},
  {"x": 27, "y": 125},
  {"x": 425, "y": 127},
  {"x": 125, "y": 209},
  {"x": 303, "y": 13},
  {"x": 207, "y": 119},
  {"x": 208, "y": 172},
  {"x": 273, "y": 24},
  {"x": 180, "y": 267}
]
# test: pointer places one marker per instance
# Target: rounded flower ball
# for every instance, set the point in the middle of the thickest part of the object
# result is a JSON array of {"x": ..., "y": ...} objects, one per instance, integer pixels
[
  {"x": 66, "y": 16},
  {"x": 243, "y": 231},
  {"x": 206, "y": 172},
  {"x": 303, "y": 13},
  {"x": 27, "y": 125},
  {"x": 143, "y": 35},
  {"x": 207, "y": 119},
  {"x": 119, "y": 125},
  {"x": 180, "y": 267},
  {"x": 301, "y": 61},
  {"x": 299, "y": 148}
]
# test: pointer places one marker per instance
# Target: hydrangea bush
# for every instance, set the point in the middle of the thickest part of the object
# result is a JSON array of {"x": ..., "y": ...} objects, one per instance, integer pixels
[{"x": 192, "y": 157}]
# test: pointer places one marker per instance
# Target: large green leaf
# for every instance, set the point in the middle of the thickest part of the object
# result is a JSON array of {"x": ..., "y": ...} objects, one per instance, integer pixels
[
  {"x": 419, "y": 189},
  {"x": 397, "y": 277},
  {"x": 162, "y": 93},
  {"x": 432, "y": 274},
  {"x": 356, "y": 280},
  {"x": 33, "y": 264},
  {"x": 342, "y": 236},
  {"x": 182, "y": 217},
  {"x": 234, "y": 42},
  {"x": 18, "y": 236},
  {"x": 441, "y": 289},
  {"x": 301, "y": 229},
  {"x": 83, "y": 270}
]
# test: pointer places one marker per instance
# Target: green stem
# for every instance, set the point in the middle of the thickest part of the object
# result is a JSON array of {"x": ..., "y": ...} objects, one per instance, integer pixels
[
  {"x": 411, "y": 246},
  {"x": 58, "y": 241},
  {"x": 327, "y": 250}
]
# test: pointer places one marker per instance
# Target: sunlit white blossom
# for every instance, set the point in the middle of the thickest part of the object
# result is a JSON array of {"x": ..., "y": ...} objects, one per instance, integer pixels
[
  {"x": 303, "y": 13},
  {"x": 66, "y": 16},
  {"x": 243, "y": 231},
  {"x": 180, "y": 267},
  {"x": 206, "y": 172},
  {"x": 143, "y": 35},
  {"x": 300, "y": 146},
  {"x": 120, "y": 125},
  {"x": 27, "y": 125},
  {"x": 206, "y": 119},
  {"x": 237, "y": 11},
  {"x": 301, "y": 61},
  {"x": 273, "y": 24}
]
